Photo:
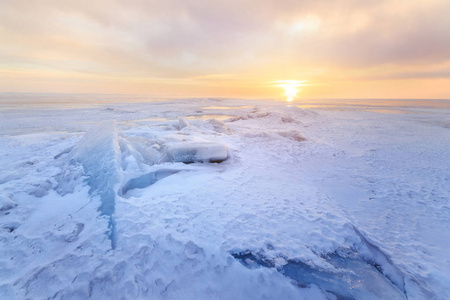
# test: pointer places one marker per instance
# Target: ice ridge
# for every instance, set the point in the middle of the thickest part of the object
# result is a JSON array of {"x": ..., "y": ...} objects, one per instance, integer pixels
[{"x": 99, "y": 154}]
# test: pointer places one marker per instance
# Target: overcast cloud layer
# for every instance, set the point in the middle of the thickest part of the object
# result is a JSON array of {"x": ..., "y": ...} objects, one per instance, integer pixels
[{"x": 202, "y": 41}]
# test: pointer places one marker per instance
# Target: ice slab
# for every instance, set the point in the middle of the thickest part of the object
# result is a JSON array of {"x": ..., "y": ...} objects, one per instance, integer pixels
[
  {"x": 189, "y": 152},
  {"x": 182, "y": 123},
  {"x": 352, "y": 278},
  {"x": 362, "y": 271}
]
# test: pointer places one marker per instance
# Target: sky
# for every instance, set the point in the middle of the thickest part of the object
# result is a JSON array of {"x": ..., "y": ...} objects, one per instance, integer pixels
[{"x": 204, "y": 48}]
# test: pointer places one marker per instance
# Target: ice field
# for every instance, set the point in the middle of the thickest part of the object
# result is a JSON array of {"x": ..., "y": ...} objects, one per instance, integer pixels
[{"x": 127, "y": 197}]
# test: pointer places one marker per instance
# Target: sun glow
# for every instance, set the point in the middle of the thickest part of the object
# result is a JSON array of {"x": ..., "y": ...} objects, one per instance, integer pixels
[{"x": 290, "y": 87}]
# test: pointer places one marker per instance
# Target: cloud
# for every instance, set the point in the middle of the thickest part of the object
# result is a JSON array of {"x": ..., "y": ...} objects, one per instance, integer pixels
[{"x": 188, "y": 39}]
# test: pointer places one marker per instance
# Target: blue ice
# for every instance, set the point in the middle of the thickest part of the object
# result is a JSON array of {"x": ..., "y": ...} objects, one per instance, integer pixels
[
  {"x": 99, "y": 154},
  {"x": 350, "y": 276}
]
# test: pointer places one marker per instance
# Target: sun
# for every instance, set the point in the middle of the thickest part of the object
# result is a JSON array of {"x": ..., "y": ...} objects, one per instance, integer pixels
[{"x": 290, "y": 87}]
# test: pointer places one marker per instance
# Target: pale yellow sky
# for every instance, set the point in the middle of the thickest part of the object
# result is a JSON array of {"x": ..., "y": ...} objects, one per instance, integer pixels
[{"x": 342, "y": 49}]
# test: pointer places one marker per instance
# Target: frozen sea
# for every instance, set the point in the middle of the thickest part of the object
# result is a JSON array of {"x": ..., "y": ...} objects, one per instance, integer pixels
[{"x": 133, "y": 197}]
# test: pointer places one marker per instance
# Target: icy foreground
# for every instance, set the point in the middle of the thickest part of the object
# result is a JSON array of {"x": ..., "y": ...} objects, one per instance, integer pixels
[{"x": 224, "y": 199}]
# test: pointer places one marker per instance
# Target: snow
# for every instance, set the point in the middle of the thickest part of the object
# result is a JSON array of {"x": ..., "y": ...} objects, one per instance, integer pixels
[
  {"x": 6, "y": 203},
  {"x": 250, "y": 199}
]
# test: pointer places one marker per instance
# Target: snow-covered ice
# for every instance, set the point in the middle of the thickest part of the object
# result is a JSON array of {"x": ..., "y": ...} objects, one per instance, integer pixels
[{"x": 223, "y": 199}]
